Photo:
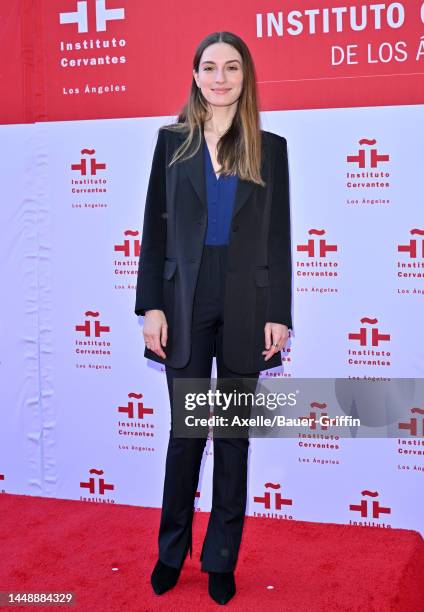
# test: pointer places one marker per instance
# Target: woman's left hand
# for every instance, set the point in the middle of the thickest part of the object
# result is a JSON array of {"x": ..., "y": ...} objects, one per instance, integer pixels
[{"x": 276, "y": 335}]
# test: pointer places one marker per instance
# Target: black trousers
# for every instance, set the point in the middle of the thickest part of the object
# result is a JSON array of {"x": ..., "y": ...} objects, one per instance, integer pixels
[{"x": 184, "y": 455}]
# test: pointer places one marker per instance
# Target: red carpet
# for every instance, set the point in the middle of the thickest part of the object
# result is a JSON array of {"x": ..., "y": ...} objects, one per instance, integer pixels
[{"x": 61, "y": 545}]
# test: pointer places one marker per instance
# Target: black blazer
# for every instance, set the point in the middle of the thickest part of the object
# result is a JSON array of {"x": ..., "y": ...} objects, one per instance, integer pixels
[{"x": 259, "y": 272}]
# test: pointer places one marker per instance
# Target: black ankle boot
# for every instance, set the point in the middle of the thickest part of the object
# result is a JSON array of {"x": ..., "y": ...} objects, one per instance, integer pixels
[
  {"x": 222, "y": 586},
  {"x": 164, "y": 577}
]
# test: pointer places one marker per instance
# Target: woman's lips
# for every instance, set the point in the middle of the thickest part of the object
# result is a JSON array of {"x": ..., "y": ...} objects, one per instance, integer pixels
[{"x": 220, "y": 91}]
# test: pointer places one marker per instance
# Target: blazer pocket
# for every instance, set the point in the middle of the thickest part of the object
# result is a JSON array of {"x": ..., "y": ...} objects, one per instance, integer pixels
[
  {"x": 262, "y": 277},
  {"x": 169, "y": 268}
]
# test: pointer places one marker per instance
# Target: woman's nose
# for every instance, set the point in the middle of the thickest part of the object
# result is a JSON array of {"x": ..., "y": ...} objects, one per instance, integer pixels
[{"x": 220, "y": 76}]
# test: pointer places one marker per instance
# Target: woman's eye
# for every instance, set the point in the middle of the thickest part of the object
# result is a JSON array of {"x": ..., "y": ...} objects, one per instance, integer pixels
[{"x": 230, "y": 67}]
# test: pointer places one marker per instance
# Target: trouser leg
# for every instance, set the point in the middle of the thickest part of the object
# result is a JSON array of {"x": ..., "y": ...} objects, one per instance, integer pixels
[
  {"x": 222, "y": 541},
  {"x": 184, "y": 455},
  {"x": 223, "y": 537},
  {"x": 183, "y": 460}
]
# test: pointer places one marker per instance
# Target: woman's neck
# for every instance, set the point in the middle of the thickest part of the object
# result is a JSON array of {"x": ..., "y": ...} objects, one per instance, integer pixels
[{"x": 221, "y": 121}]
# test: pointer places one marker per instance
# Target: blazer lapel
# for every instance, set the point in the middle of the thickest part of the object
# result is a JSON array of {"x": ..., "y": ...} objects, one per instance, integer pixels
[{"x": 195, "y": 169}]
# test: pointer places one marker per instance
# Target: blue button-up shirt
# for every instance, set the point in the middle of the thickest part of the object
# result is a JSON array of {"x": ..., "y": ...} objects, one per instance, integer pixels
[{"x": 220, "y": 194}]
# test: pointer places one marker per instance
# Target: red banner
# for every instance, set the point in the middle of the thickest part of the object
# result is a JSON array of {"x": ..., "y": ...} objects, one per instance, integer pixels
[{"x": 92, "y": 59}]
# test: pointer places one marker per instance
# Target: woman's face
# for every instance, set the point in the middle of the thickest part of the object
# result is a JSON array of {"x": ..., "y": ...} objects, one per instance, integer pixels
[{"x": 220, "y": 75}]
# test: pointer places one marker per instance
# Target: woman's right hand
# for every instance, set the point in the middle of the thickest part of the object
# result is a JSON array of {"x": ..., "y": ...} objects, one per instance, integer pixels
[{"x": 155, "y": 331}]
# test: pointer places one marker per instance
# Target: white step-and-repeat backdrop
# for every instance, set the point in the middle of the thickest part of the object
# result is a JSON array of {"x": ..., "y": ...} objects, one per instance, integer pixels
[{"x": 83, "y": 414}]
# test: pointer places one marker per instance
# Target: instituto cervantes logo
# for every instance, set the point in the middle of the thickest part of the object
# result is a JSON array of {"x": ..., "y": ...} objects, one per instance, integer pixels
[
  {"x": 93, "y": 345},
  {"x": 136, "y": 422},
  {"x": 369, "y": 509},
  {"x": 103, "y": 15},
  {"x": 368, "y": 156},
  {"x": 370, "y": 173},
  {"x": 135, "y": 410},
  {"x": 88, "y": 166},
  {"x": 125, "y": 263},
  {"x": 96, "y": 485},
  {"x": 314, "y": 417},
  {"x": 130, "y": 247},
  {"x": 316, "y": 247},
  {"x": 88, "y": 47},
  {"x": 92, "y": 327},
  {"x": 369, "y": 336},
  {"x": 415, "y": 425},
  {"x": 371, "y": 341},
  {"x": 89, "y": 177},
  {"x": 415, "y": 247},
  {"x": 272, "y": 501},
  {"x": 410, "y": 264},
  {"x": 317, "y": 265}
]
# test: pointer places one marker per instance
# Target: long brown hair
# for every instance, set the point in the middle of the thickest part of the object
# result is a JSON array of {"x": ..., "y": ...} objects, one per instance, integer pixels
[{"x": 239, "y": 150}]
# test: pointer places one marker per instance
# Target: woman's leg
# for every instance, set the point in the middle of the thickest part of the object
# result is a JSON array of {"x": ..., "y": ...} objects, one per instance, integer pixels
[
  {"x": 183, "y": 460},
  {"x": 223, "y": 536},
  {"x": 225, "y": 527},
  {"x": 184, "y": 455}
]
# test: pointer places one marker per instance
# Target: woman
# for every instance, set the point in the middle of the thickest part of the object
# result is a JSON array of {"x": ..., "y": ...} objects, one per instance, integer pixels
[{"x": 214, "y": 279}]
